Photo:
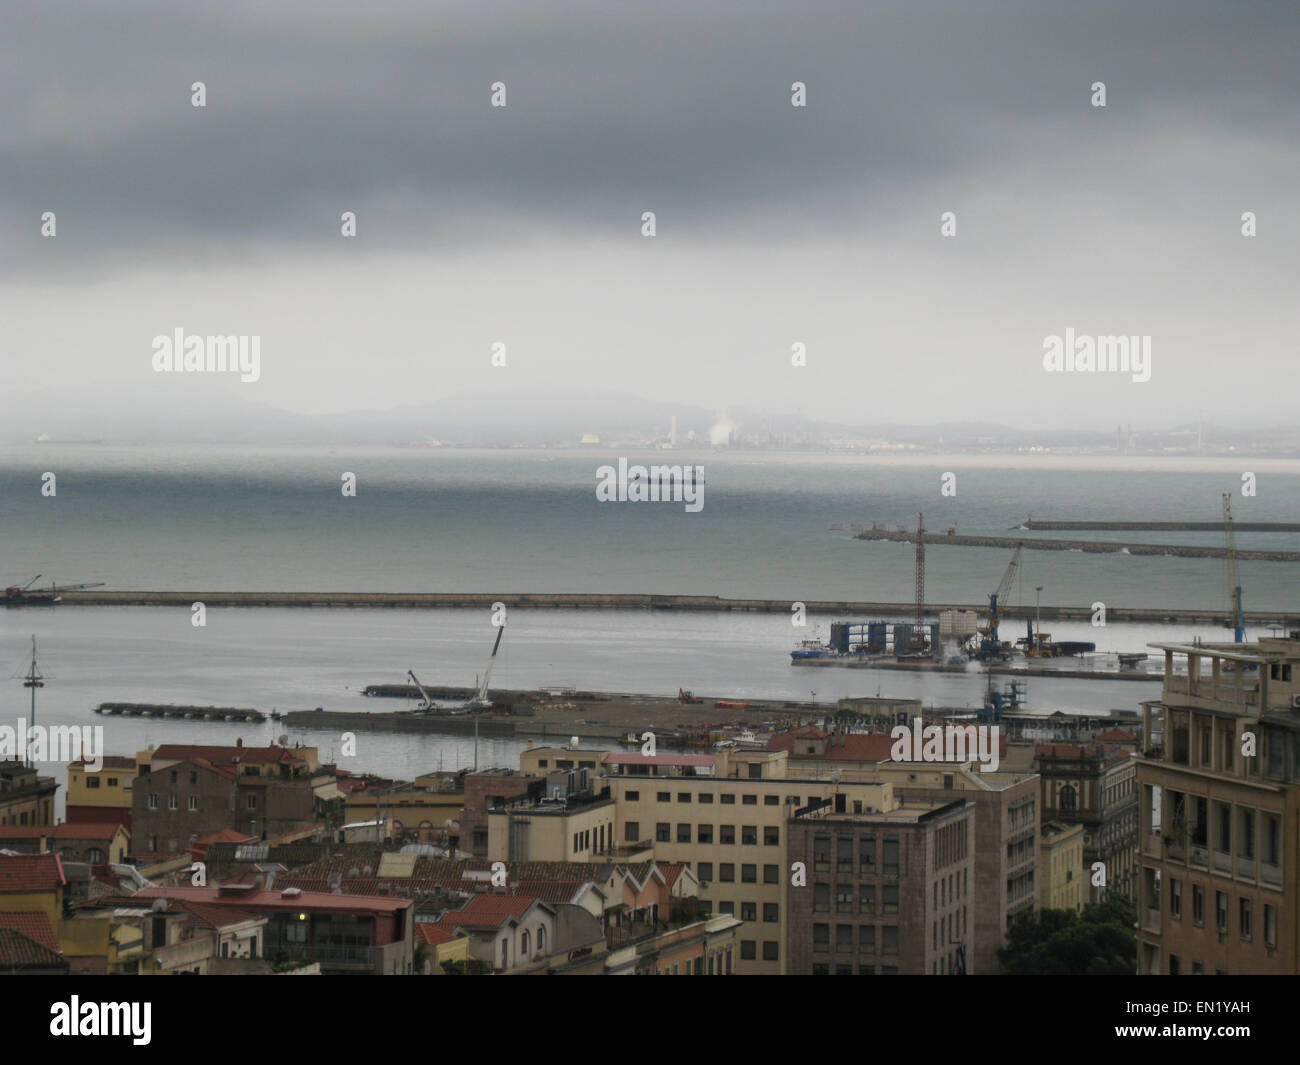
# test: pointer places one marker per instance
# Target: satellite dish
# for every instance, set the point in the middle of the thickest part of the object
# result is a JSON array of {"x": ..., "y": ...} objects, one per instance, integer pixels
[
  {"x": 573, "y": 743},
  {"x": 283, "y": 740},
  {"x": 159, "y": 906}
]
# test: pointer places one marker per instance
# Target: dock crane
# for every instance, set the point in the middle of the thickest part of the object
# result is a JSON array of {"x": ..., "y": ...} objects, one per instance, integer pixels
[
  {"x": 991, "y": 646},
  {"x": 428, "y": 703},
  {"x": 1238, "y": 623},
  {"x": 481, "y": 700},
  {"x": 18, "y": 595}
]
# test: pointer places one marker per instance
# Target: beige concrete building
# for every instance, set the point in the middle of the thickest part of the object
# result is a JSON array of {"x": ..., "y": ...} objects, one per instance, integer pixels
[
  {"x": 1062, "y": 875},
  {"x": 1219, "y": 780}
]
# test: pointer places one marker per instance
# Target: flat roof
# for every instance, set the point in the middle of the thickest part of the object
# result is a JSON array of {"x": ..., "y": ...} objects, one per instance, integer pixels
[
  {"x": 1214, "y": 650},
  {"x": 659, "y": 759}
]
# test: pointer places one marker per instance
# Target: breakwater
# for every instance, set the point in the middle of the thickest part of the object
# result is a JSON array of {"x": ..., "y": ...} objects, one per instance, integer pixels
[
  {"x": 635, "y": 601},
  {"x": 1162, "y": 526},
  {"x": 935, "y": 538}
]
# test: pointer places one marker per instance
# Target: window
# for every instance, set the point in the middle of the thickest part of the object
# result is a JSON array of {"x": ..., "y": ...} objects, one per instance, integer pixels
[
  {"x": 727, "y": 872},
  {"x": 844, "y": 854},
  {"x": 1244, "y": 916},
  {"x": 1270, "y": 925},
  {"x": 726, "y": 833},
  {"x": 844, "y": 898},
  {"x": 771, "y": 950},
  {"x": 771, "y": 874},
  {"x": 173, "y": 802},
  {"x": 750, "y": 800},
  {"x": 112, "y": 782},
  {"x": 194, "y": 803},
  {"x": 771, "y": 835},
  {"x": 728, "y": 799},
  {"x": 867, "y": 854},
  {"x": 663, "y": 832},
  {"x": 866, "y": 939},
  {"x": 1175, "y": 897},
  {"x": 755, "y": 770},
  {"x": 683, "y": 796},
  {"x": 728, "y": 908},
  {"x": 252, "y": 802},
  {"x": 889, "y": 898},
  {"x": 1198, "y": 904},
  {"x": 683, "y": 833},
  {"x": 844, "y": 939},
  {"x": 821, "y": 937},
  {"x": 92, "y": 782},
  {"x": 889, "y": 939},
  {"x": 771, "y": 800},
  {"x": 771, "y": 913},
  {"x": 704, "y": 833},
  {"x": 705, "y": 871},
  {"x": 821, "y": 898},
  {"x": 890, "y": 861},
  {"x": 821, "y": 853},
  {"x": 153, "y": 801},
  {"x": 706, "y": 796},
  {"x": 632, "y": 796},
  {"x": 749, "y": 835},
  {"x": 748, "y": 950},
  {"x": 749, "y": 874},
  {"x": 541, "y": 939},
  {"x": 867, "y": 898},
  {"x": 1221, "y": 910},
  {"x": 749, "y": 911},
  {"x": 523, "y": 943},
  {"x": 632, "y": 831}
]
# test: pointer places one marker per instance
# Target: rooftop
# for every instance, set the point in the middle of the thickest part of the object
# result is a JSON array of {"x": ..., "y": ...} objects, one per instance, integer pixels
[{"x": 31, "y": 872}]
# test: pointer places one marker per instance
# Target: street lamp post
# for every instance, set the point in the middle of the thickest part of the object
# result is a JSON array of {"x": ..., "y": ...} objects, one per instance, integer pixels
[{"x": 1038, "y": 619}]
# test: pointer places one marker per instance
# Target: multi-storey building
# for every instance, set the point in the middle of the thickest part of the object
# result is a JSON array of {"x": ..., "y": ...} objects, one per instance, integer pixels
[
  {"x": 1061, "y": 868},
  {"x": 1095, "y": 785},
  {"x": 887, "y": 891},
  {"x": 101, "y": 796},
  {"x": 183, "y": 792},
  {"x": 26, "y": 798},
  {"x": 1219, "y": 780}
]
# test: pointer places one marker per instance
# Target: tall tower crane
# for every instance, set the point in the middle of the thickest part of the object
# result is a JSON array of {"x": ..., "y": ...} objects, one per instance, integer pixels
[
  {"x": 1234, "y": 578},
  {"x": 991, "y": 646}
]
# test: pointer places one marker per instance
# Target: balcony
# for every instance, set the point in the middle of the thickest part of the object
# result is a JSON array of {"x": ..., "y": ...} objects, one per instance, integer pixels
[
  {"x": 1270, "y": 874},
  {"x": 1222, "y": 861}
]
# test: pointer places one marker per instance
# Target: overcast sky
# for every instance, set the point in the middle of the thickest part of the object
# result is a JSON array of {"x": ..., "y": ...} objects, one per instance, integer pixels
[{"x": 775, "y": 224}]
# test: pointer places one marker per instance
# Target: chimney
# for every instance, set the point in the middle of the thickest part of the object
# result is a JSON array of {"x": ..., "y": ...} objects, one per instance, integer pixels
[{"x": 239, "y": 742}]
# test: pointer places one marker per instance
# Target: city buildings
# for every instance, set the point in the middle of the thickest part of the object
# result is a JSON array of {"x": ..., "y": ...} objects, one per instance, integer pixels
[
  {"x": 1061, "y": 868},
  {"x": 26, "y": 798},
  {"x": 1219, "y": 780}
]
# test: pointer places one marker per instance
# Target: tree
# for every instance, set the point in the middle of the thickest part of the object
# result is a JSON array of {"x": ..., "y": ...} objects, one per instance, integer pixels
[{"x": 1100, "y": 941}]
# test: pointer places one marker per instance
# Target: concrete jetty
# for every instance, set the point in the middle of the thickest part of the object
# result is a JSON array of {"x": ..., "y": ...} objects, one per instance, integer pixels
[
  {"x": 934, "y": 537},
  {"x": 637, "y": 601},
  {"x": 1162, "y": 526}
]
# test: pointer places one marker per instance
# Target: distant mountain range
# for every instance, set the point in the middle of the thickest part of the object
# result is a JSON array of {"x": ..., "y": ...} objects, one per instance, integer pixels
[{"x": 208, "y": 415}]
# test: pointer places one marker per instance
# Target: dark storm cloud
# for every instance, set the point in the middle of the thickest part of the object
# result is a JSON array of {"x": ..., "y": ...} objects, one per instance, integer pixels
[{"x": 613, "y": 109}]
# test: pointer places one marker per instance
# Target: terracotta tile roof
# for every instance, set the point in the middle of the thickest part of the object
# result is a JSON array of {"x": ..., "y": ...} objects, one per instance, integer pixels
[
  {"x": 194, "y": 751},
  {"x": 31, "y": 872},
  {"x": 226, "y": 835},
  {"x": 550, "y": 890},
  {"x": 110, "y": 761},
  {"x": 34, "y": 924},
  {"x": 489, "y": 911},
  {"x": 25, "y": 831},
  {"x": 434, "y": 934},
  {"x": 272, "y": 901},
  {"x": 1117, "y": 735},
  {"x": 206, "y": 915},
  {"x": 84, "y": 830},
  {"x": 17, "y": 950},
  {"x": 671, "y": 871}
]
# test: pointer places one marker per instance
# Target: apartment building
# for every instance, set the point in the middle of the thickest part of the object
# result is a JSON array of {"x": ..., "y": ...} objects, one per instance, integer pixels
[
  {"x": 1006, "y": 834},
  {"x": 1095, "y": 785},
  {"x": 101, "y": 796},
  {"x": 1219, "y": 789},
  {"x": 185, "y": 791},
  {"x": 888, "y": 892},
  {"x": 26, "y": 798},
  {"x": 1061, "y": 871}
]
